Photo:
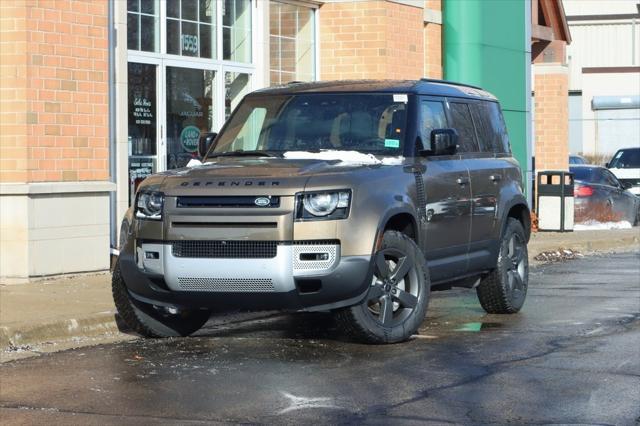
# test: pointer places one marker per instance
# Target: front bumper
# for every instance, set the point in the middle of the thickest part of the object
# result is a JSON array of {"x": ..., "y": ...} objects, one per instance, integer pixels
[{"x": 154, "y": 273}]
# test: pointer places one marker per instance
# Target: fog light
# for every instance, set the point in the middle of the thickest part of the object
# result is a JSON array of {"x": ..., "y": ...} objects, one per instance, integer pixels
[
  {"x": 151, "y": 255},
  {"x": 314, "y": 256}
]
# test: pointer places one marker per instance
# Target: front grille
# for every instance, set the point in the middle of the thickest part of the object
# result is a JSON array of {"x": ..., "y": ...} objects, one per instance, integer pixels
[
  {"x": 239, "y": 285},
  {"x": 225, "y": 249},
  {"x": 229, "y": 201}
]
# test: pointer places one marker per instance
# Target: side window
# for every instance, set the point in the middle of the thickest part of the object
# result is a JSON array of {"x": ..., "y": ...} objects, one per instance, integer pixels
[
  {"x": 610, "y": 179},
  {"x": 461, "y": 118},
  {"x": 431, "y": 117},
  {"x": 492, "y": 130}
]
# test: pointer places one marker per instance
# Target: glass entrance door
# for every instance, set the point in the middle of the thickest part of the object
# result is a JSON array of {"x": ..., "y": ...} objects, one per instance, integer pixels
[
  {"x": 190, "y": 104},
  {"x": 143, "y": 123}
]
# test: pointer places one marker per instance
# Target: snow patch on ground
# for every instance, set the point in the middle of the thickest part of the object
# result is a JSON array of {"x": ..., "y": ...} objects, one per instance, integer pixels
[
  {"x": 345, "y": 157},
  {"x": 593, "y": 225}
]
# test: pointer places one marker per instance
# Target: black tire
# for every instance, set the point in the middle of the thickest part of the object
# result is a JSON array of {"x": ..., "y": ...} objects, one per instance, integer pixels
[
  {"x": 637, "y": 221},
  {"x": 151, "y": 321},
  {"x": 397, "y": 300},
  {"x": 504, "y": 290}
]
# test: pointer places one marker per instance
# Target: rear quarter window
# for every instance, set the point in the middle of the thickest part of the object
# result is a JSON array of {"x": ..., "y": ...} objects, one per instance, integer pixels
[{"x": 491, "y": 128}]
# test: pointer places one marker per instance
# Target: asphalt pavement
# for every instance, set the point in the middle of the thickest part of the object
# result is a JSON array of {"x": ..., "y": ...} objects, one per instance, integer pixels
[{"x": 571, "y": 356}]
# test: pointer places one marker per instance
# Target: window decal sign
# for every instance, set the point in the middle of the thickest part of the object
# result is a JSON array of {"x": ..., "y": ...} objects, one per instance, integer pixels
[
  {"x": 189, "y": 138},
  {"x": 190, "y": 43}
]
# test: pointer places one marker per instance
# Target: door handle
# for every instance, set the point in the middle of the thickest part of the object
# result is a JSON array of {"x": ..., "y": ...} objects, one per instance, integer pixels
[
  {"x": 495, "y": 178},
  {"x": 462, "y": 180}
]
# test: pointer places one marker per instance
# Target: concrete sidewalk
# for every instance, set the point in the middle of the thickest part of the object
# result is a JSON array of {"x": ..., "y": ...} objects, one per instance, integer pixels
[{"x": 81, "y": 307}]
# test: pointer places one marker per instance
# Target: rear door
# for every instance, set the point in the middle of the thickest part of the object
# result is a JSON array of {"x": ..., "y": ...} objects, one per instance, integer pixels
[
  {"x": 490, "y": 167},
  {"x": 448, "y": 205}
]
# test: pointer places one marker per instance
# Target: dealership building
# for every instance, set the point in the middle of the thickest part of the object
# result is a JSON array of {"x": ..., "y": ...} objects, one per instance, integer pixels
[{"x": 96, "y": 95}]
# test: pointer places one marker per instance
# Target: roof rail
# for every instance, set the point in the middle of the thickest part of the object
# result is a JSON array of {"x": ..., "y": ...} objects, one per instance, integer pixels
[
  {"x": 431, "y": 80},
  {"x": 295, "y": 82}
]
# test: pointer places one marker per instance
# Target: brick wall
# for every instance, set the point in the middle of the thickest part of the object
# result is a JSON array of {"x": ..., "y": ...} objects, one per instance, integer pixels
[
  {"x": 433, "y": 43},
  {"x": 62, "y": 78},
  {"x": 13, "y": 92},
  {"x": 551, "y": 118},
  {"x": 405, "y": 42},
  {"x": 371, "y": 39}
]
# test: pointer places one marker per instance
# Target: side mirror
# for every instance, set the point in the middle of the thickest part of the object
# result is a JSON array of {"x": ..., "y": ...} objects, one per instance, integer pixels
[
  {"x": 205, "y": 143},
  {"x": 444, "y": 141},
  {"x": 626, "y": 185},
  {"x": 608, "y": 165}
]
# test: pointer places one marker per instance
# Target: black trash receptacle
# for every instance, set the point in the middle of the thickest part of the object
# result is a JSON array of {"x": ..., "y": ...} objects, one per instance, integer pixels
[{"x": 555, "y": 201}]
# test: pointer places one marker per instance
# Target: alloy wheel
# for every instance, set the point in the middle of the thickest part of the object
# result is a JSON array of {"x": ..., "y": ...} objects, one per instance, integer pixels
[{"x": 394, "y": 291}]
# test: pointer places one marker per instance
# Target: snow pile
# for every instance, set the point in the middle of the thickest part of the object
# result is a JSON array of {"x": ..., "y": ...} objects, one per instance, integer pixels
[
  {"x": 594, "y": 225},
  {"x": 559, "y": 255},
  {"x": 345, "y": 157}
]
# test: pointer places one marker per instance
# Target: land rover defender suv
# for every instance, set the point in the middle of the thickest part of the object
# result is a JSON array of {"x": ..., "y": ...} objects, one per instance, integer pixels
[{"x": 353, "y": 197}]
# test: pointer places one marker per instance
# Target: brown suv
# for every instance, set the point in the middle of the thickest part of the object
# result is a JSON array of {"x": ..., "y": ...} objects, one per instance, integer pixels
[{"x": 355, "y": 197}]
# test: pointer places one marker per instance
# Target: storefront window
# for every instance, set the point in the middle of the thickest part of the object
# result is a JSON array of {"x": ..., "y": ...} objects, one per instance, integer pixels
[
  {"x": 142, "y": 25},
  {"x": 236, "y": 30},
  {"x": 190, "y": 103},
  {"x": 291, "y": 43},
  {"x": 191, "y": 28}
]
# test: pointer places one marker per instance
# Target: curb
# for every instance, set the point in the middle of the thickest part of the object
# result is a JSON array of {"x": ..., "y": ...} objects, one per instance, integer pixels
[
  {"x": 593, "y": 246},
  {"x": 91, "y": 326}
]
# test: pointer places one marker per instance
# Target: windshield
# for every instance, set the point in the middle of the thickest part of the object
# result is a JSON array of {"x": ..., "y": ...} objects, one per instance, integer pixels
[
  {"x": 368, "y": 123},
  {"x": 626, "y": 159}
]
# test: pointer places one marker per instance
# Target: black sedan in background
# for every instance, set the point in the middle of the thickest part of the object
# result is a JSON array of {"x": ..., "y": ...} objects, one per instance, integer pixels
[{"x": 600, "y": 196}]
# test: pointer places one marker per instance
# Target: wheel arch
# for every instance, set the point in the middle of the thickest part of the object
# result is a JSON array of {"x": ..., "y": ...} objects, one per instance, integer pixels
[
  {"x": 519, "y": 210},
  {"x": 401, "y": 219}
]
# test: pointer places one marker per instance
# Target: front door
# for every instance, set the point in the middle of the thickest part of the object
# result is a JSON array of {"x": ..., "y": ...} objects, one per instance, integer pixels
[{"x": 448, "y": 205}]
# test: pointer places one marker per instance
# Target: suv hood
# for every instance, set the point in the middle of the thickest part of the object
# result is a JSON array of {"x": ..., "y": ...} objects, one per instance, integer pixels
[{"x": 262, "y": 176}]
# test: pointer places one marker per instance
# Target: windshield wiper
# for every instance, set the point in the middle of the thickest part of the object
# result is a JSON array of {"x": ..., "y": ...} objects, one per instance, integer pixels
[{"x": 244, "y": 154}]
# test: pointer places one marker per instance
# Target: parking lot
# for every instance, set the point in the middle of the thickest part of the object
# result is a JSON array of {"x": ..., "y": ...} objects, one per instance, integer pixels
[{"x": 571, "y": 356}]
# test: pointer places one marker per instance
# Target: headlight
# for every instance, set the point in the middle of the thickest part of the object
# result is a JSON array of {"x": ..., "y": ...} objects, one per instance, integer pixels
[
  {"x": 149, "y": 205},
  {"x": 323, "y": 205}
]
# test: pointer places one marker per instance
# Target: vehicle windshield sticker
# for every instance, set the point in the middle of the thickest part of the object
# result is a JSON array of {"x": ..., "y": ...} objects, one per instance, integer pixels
[
  {"x": 392, "y": 143},
  {"x": 400, "y": 97}
]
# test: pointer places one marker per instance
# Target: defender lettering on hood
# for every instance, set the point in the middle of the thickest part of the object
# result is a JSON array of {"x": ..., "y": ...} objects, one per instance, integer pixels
[{"x": 229, "y": 183}]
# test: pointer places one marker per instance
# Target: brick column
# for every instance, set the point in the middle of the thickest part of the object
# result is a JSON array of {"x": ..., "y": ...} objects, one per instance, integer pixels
[
  {"x": 551, "y": 100},
  {"x": 371, "y": 40},
  {"x": 54, "y": 137}
]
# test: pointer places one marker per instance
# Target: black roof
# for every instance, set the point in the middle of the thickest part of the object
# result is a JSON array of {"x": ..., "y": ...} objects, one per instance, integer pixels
[{"x": 419, "y": 87}]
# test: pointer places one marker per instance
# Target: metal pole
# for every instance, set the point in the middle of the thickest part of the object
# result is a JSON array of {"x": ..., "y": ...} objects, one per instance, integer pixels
[{"x": 113, "y": 219}]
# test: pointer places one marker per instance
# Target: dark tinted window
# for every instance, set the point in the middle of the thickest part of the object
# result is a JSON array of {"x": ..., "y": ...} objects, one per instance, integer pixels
[
  {"x": 584, "y": 174},
  {"x": 461, "y": 121},
  {"x": 491, "y": 128},
  {"x": 626, "y": 159},
  {"x": 431, "y": 117}
]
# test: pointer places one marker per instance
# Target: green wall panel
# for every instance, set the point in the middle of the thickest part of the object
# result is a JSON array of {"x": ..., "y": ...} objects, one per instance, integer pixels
[{"x": 487, "y": 43}]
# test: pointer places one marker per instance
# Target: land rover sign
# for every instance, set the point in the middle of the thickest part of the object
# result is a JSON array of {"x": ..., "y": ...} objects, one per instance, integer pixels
[{"x": 189, "y": 138}]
